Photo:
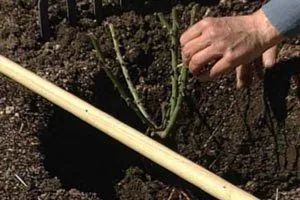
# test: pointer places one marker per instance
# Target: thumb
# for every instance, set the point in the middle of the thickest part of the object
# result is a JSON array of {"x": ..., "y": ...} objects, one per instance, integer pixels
[{"x": 269, "y": 57}]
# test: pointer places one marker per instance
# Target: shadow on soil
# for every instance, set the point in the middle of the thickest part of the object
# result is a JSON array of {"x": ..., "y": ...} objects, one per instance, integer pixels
[
  {"x": 85, "y": 158},
  {"x": 277, "y": 82}
]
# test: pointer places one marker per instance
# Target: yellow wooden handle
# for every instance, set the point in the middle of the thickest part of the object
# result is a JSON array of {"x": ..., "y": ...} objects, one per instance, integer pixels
[{"x": 184, "y": 168}]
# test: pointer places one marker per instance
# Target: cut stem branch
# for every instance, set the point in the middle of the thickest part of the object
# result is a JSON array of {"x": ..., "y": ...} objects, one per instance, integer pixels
[
  {"x": 174, "y": 55},
  {"x": 174, "y": 116},
  {"x": 173, "y": 32},
  {"x": 123, "y": 93},
  {"x": 131, "y": 87}
]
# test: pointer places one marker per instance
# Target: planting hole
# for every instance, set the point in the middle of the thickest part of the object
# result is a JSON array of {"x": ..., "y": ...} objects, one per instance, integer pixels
[{"x": 83, "y": 157}]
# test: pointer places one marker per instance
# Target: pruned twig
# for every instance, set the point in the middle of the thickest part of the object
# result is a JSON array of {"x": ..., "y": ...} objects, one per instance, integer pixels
[
  {"x": 174, "y": 55},
  {"x": 124, "y": 94},
  {"x": 131, "y": 87},
  {"x": 173, "y": 32}
]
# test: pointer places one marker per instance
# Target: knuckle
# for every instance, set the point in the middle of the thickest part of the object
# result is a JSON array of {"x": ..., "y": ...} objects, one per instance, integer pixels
[
  {"x": 231, "y": 56},
  {"x": 208, "y": 21},
  {"x": 212, "y": 33},
  {"x": 222, "y": 44}
]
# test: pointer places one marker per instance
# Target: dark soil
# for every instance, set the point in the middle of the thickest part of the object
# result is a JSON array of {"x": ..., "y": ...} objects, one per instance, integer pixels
[{"x": 249, "y": 137}]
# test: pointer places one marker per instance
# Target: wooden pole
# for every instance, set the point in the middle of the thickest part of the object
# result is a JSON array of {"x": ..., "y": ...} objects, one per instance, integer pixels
[{"x": 184, "y": 168}]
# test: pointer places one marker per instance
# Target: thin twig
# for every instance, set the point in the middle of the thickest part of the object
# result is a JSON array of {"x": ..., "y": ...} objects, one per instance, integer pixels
[
  {"x": 171, "y": 194},
  {"x": 180, "y": 65},
  {"x": 131, "y": 88},
  {"x": 277, "y": 194},
  {"x": 185, "y": 195},
  {"x": 21, "y": 180},
  {"x": 207, "y": 12},
  {"x": 164, "y": 22},
  {"x": 193, "y": 14},
  {"x": 21, "y": 128},
  {"x": 124, "y": 94}
]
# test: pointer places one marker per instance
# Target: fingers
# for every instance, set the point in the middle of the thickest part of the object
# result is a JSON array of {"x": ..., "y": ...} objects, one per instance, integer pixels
[
  {"x": 267, "y": 60},
  {"x": 201, "y": 58},
  {"x": 244, "y": 72},
  {"x": 222, "y": 66},
  {"x": 192, "y": 47},
  {"x": 243, "y": 76},
  {"x": 192, "y": 33},
  {"x": 269, "y": 57}
]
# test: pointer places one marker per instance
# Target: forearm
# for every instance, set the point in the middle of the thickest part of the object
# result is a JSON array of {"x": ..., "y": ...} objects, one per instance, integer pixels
[{"x": 284, "y": 16}]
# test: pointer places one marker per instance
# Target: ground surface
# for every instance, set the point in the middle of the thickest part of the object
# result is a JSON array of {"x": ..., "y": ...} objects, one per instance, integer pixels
[{"x": 249, "y": 137}]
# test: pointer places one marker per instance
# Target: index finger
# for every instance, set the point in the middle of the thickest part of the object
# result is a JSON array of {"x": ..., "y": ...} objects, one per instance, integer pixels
[{"x": 191, "y": 33}]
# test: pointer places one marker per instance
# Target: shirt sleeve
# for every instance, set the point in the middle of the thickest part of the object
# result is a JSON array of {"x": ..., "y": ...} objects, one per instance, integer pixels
[{"x": 284, "y": 15}]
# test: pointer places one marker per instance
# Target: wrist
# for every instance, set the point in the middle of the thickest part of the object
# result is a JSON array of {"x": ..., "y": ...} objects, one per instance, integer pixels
[{"x": 266, "y": 32}]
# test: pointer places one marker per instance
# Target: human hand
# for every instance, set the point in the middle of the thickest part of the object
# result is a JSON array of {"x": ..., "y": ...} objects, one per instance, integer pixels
[{"x": 230, "y": 42}]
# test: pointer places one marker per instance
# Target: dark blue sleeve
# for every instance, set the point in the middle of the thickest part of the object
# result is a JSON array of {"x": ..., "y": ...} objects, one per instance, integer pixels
[{"x": 284, "y": 15}]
